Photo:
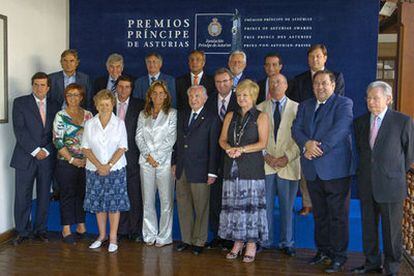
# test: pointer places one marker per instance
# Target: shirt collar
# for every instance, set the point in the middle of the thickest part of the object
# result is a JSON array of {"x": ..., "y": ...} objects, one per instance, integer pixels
[
  {"x": 38, "y": 100},
  {"x": 381, "y": 115},
  {"x": 156, "y": 76},
  {"x": 227, "y": 98},
  {"x": 197, "y": 111},
  {"x": 118, "y": 102},
  {"x": 66, "y": 76},
  {"x": 200, "y": 75}
]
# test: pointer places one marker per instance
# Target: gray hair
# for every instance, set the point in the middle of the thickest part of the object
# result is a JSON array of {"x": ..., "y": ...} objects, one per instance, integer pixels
[
  {"x": 385, "y": 87},
  {"x": 197, "y": 87},
  {"x": 238, "y": 52},
  {"x": 114, "y": 58},
  {"x": 154, "y": 54}
]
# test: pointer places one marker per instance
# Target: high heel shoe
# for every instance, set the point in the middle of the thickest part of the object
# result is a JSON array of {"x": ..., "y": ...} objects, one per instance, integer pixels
[
  {"x": 233, "y": 254},
  {"x": 249, "y": 255}
]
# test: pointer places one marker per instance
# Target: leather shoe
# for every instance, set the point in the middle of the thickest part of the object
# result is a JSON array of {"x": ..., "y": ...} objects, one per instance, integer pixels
[
  {"x": 319, "y": 258},
  {"x": 215, "y": 243},
  {"x": 19, "y": 239},
  {"x": 366, "y": 269},
  {"x": 42, "y": 236},
  {"x": 69, "y": 239},
  {"x": 335, "y": 267},
  {"x": 305, "y": 211},
  {"x": 290, "y": 251},
  {"x": 182, "y": 246},
  {"x": 197, "y": 250}
]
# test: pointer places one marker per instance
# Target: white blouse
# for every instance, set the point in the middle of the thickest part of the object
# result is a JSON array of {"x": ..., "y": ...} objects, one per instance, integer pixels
[
  {"x": 104, "y": 142},
  {"x": 157, "y": 136}
]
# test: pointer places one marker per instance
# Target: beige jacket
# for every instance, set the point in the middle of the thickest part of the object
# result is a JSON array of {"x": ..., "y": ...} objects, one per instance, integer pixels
[{"x": 285, "y": 144}]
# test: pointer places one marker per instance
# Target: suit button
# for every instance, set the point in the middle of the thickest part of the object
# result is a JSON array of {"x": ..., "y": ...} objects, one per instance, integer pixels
[{"x": 185, "y": 146}]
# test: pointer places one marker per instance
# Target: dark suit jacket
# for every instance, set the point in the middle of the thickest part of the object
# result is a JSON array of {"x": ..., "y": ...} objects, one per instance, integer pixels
[
  {"x": 300, "y": 88},
  {"x": 197, "y": 147},
  {"x": 58, "y": 86},
  {"x": 332, "y": 127},
  {"x": 262, "y": 91},
  {"x": 142, "y": 84},
  {"x": 382, "y": 170},
  {"x": 131, "y": 119},
  {"x": 184, "y": 82},
  {"x": 30, "y": 132},
  {"x": 101, "y": 82}
]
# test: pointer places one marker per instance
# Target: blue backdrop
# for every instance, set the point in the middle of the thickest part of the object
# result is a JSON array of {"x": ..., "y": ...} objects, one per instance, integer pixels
[{"x": 173, "y": 28}]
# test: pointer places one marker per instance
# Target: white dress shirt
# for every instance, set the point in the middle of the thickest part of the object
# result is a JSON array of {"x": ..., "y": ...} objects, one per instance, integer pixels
[
  {"x": 200, "y": 75},
  {"x": 104, "y": 142}
]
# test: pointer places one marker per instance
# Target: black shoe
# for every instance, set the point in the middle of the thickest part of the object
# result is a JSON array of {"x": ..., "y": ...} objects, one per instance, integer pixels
[
  {"x": 319, "y": 258},
  {"x": 182, "y": 246},
  {"x": 290, "y": 251},
  {"x": 136, "y": 238},
  {"x": 80, "y": 235},
  {"x": 19, "y": 239},
  {"x": 122, "y": 237},
  {"x": 42, "y": 236},
  {"x": 335, "y": 267},
  {"x": 69, "y": 239},
  {"x": 197, "y": 250},
  {"x": 215, "y": 243},
  {"x": 259, "y": 248},
  {"x": 366, "y": 269}
]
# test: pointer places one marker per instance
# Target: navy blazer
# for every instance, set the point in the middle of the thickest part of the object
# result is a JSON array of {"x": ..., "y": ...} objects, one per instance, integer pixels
[
  {"x": 131, "y": 119},
  {"x": 196, "y": 149},
  {"x": 332, "y": 127},
  {"x": 30, "y": 132},
  {"x": 184, "y": 82},
  {"x": 57, "y": 86},
  {"x": 382, "y": 171},
  {"x": 262, "y": 91},
  {"x": 142, "y": 84},
  {"x": 301, "y": 88},
  {"x": 102, "y": 81}
]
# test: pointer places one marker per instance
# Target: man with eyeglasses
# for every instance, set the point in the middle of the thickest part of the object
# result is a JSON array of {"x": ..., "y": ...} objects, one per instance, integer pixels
[
  {"x": 322, "y": 129},
  {"x": 221, "y": 102}
]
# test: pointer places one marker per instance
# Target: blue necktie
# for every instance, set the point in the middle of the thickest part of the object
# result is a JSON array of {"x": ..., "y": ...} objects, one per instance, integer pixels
[{"x": 193, "y": 118}]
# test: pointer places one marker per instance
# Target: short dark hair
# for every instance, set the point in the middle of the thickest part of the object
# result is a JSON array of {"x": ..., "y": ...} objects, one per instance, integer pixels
[
  {"x": 273, "y": 54},
  {"x": 198, "y": 52},
  {"x": 125, "y": 78},
  {"x": 325, "y": 72},
  {"x": 41, "y": 76},
  {"x": 224, "y": 70},
  {"x": 318, "y": 46}
]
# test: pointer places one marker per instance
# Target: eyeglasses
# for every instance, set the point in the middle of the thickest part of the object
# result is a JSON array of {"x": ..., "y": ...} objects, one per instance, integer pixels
[
  {"x": 223, "y": 81},
  {"x": 72, "y": 95}
]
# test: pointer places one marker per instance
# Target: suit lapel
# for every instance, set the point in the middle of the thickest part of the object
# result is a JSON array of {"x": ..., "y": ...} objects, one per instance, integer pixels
[
  {"x": 35, "y": 110},
  {"x": 200, "y": 119}
]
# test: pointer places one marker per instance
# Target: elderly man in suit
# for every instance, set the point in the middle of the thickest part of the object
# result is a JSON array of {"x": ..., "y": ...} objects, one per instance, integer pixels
[
  {"x": 195, "y": 168},
  {"x": 282, "y": 166},
  {"x": 322, "y": 129},
  {"x": 273, "y": 64},
  {"x": 220, "y": 103},
  {"x": 59, "y": 80},
  {"x": 197, "y": 76},
  {"x": 115, "y": 68},
  {"x": 128, "y": 109},
  {"x": 385, "y": 143},
  {"x": 237, "y": 63},
  {"x": 301, "y": 89},
  {"x": 33, "y": 157},
  {"x": 153, "y": 61}
]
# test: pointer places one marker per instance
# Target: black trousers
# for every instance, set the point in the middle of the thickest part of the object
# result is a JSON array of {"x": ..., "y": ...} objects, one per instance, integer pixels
[
  {"x": 42, "y": 172},
  {"x": 391, "y": 215},
  {"x": 131, "y": 221},
  {"x": 216, "y": 191},
  {"x": 330, "y": 199},
  {"x": 71, "y": 181}
]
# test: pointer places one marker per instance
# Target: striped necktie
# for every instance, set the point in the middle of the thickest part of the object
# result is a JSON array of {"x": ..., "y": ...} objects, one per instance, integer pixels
[{"x": 222, "y": 112}]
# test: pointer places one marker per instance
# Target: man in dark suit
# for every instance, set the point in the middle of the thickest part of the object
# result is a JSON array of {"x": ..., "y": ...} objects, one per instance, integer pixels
[
  {"x": 195, "y": 168},
  {"x": 153, "y": 61},
  {"x": 237, "y": 63},
  {"x": 220, "y": 103},
  {"x": 300, "y": 89},
  {"x": 59, "y": 80},
  {"x": 33, "y": 157},
  {"x": 322, "y": 129},
  {"x": 273, "y": 64},
  {"x": 128, "y": 109},
  {"x": 196, "y": 62},
  {"x": 385, "y": 143}
]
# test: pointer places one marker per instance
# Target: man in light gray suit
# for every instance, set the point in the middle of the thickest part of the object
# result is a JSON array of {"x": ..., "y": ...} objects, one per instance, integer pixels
[
  {"x": 59, "y": 80},
  {"x": 153, "y": 61},
  {"x": 385, "y": 143}
]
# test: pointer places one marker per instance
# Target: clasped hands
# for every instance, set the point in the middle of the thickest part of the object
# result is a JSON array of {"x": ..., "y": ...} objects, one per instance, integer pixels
[
  {"x": 234, "y": 152},
  {"x": 312, "y": 149},
  {"x": 152, "y": 161},
  {"x": 78, "y": 162},
  {"x": 276, "y": 162}
]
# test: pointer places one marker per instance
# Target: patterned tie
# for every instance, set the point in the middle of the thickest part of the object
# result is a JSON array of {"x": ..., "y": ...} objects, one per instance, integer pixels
[
  {"x": 153, "y": 79},
  {"x": 121, "y": 111},
  {"x": 42, "y": 112},
  {"x": 195, "y": 82},
  {"x": 374, "y": 132},
  {"x": 193, "y": 118},
  {"x": 276, "y": 119},
  {"x": 222, "y": 112},
  {"x": 113, "y": 89}
]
